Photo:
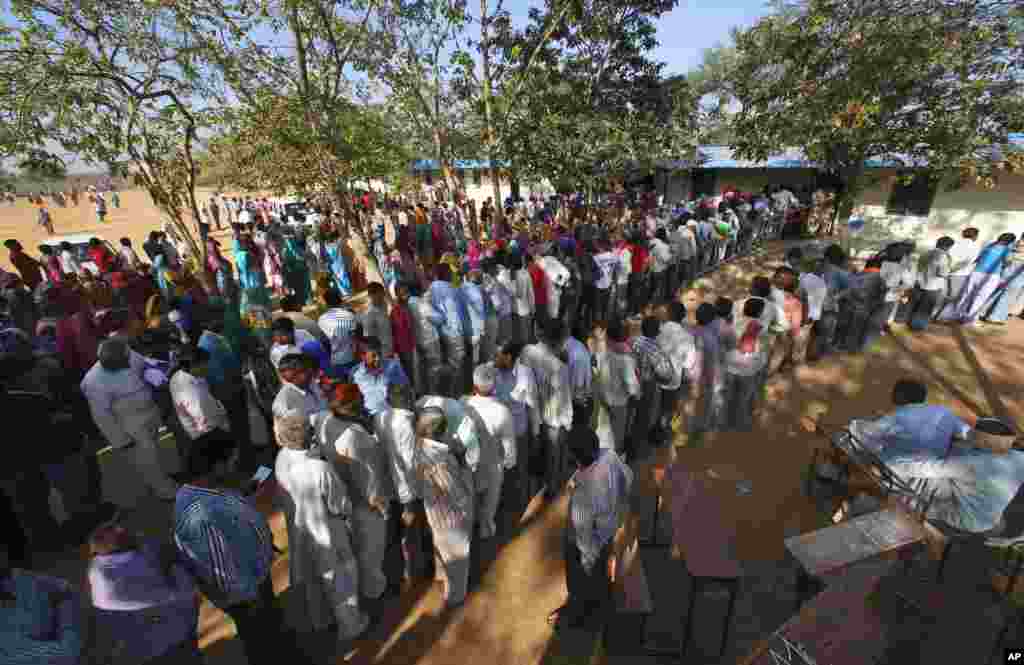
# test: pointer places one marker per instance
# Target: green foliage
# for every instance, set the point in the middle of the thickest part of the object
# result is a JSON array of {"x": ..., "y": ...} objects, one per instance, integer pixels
[
  {"x": 41, "y": 166},
  {"x": 923, "y": 81},
  {"x": 595, "y": 103}
]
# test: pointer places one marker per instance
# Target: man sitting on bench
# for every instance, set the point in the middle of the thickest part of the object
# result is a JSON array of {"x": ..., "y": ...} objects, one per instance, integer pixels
[
  {"x": 913, "y": 428},
  {"x": 598, "y": 503}
]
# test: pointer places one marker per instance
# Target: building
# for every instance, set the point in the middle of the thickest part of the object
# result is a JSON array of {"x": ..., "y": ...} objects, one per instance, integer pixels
[
  {"x": 476, "y": 178},
  {"x": 891, "y": 208}
]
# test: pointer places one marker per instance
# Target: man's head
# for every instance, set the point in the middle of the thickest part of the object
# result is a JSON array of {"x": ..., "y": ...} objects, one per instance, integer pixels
[
  {"x": 706, "y": 314},
  {"x": 194, "y": 360},
  {"x": 795, "y": 256},
  {"x": 345, "y": 399},
  {"x": 874, "y": 263},
  {"x": 970, "y": 233},
  {"x": 676, "y": 311},
  {"x": 617, "y": 331},
  {"x": 94, "y": 242},
  {"x": 945, "y": 243},
  {"x": 507, "y": 355},
  {"x": 554, "y": 332},
  {"x": 1006, "y": 239},
  {"x": 290, "y": 304},
  {"x": 372, "y": 356},
  {"x": 834, "y": 255},
  {"x": 724, "y": 308},
  {"x": 476, "y": 277},
  {"x": 753, "y": 308},
  {"x": 650, "y": 327},
  {"x": 45, "y": 250},
  {"x": 431, "y": 423},
  {"x": 761, "y": 287},
  {"x": 402, "y": 293},
  {"x": 332, "y": 298},
  {"x": 297, "y": 369},
  {"x": 583, "y": 446},
  {"x": 377, "y": 294},
  {"x": 283, "y": 331},
  {"x": 484, "y": 377},
  {"x": 442, "y": 273},
  {"x": 909, "y": 391},
  {"x": 12, "y": 245},
  {"x": 113, "y": 355}
]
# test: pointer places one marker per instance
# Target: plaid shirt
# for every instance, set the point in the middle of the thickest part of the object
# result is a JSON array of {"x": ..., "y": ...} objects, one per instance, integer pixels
[{"x": 651, "y": 362}]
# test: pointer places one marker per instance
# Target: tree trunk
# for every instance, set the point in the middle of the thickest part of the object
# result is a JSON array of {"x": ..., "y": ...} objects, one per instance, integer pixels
[{"x": 485, "y": 57}]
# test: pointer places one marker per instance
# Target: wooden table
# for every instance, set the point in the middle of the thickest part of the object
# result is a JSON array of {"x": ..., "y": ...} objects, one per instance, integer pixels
[
  {"x": 831, "y": 550},
  {"x": 838, "y": 627}
]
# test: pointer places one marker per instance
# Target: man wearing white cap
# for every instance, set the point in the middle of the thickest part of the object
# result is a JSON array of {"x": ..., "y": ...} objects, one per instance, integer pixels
[{"x": 497, "y": 444}]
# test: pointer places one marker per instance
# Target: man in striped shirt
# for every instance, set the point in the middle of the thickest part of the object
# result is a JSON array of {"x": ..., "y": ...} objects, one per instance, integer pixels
[
  {"x": 339, "y": 325},
  {"x": 226, "y": 544},
  {"x": 598, "y": 501}
]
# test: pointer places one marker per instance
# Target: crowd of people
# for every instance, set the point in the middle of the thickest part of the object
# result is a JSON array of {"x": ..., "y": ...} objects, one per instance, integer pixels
[{"x": 498, "y": 355}]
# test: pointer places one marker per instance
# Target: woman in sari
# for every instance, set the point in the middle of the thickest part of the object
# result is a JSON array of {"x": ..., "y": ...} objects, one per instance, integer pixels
[
  {"x": 985, "y": 279},
  {"x": 296, "y": 271},
  {"x": 217, "y": 265},
  {"x": 162, "y": 272},
  {"x": 336, "y": 265},
  {"x": 273, "y": 264}
]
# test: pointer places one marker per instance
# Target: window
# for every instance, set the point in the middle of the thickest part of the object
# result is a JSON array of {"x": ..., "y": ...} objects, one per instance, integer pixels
[
  {"x": 476, "y": 177},
  {"x": 913, "y": 197}
]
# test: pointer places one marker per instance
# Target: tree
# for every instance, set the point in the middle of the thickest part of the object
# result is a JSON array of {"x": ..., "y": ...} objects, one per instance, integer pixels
[
  {"x": 596, "y": 103},
  {"x": 42, "y": 166},
  {"x": 307, "y": 88},
  {"x": 715, "y": 100},
  {"x": 112, "y": 82},
  {"x": 268, "y": 145},
  {"x": 923, "y": 82}
]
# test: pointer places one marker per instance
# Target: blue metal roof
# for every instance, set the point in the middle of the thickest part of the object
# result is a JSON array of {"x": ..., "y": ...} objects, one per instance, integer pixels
[{"x": 721, "y": 157}]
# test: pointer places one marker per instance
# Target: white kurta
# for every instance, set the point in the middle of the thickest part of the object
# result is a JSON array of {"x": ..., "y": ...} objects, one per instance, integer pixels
[
  {"x": 321, "y": 563},
  {"x": 497, "y": 454}
]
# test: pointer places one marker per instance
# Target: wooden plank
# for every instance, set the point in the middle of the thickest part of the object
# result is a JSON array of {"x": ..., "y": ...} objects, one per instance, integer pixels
[{"x": 701, "y": 531}]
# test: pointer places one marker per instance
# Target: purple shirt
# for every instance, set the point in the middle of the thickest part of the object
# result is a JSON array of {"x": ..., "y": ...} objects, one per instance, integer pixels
[{"x": 141, "y": 613}]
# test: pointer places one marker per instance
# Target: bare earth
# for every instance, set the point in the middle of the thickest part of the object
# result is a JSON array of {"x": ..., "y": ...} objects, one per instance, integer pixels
[{"x": 974, "y": 371}]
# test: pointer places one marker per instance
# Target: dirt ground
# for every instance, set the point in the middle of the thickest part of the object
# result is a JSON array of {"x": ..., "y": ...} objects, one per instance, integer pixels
[{"x": 975, "y": 371}]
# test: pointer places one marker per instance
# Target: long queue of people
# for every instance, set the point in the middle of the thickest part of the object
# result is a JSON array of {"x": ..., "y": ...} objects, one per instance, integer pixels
[{"x": 417, "y": 422}]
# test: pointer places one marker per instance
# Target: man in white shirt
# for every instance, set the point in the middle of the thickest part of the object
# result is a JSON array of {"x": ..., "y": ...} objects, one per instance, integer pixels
[
  {"x": 395, "y": 428},
  {"x": 616, "y": 382},
  {"x": 525, "y": 304},
  {"x": 558, "y": 279},
  {"x": 498, "y": 445},
  {"x": 204, "y": 419},
  {"x": 516, "y": 387},
  {"x": 961, "y": 256},
  {"x": 339, "y": 324},
  {"x": 427, "y": 321},
  {"x": 555, "y": 396},
  {"x": 661, "y": 263},
  {"x": 625, "y": 270},
  {"x": 606, "y": 261},
  {"x": 932, "y": 282},
  {"x": 284, "y": 335},
  {"x": 299, "y": 395},
  {"x": 684, "y": 249},
  {"x": 121, "y": 402},
  {"x": 681, "y": 348}
]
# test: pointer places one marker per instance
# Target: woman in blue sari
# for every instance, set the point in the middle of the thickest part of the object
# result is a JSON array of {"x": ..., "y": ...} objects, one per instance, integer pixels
[
  {"x": 336, "y": 264},
  {"x": 160, "y": 268},
  {"x": 1010, "y": 294},
  {"x": 296, "y": 272}
]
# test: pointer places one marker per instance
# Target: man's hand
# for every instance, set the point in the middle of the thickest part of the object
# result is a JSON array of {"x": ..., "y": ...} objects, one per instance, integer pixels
[
  {"x": 380, "y": 505},
  {"x": 612, "y": 561},
  {"x": 408, "y": 517}
]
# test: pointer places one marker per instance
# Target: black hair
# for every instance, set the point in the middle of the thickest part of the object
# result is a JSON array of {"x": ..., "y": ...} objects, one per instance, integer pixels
[
  {"x": 909, "y": 391},
  {"x": 761, "y": 287},
  {"x": 753, "y": 308},
  {"x": 125, "y": 242},
  {"x": 945, "y": 242},
  {"x": 835, "y": 255},
  {"x": 554, "y": 330},
  {"x": 650, "y": 327},
  {"x": 583, "y": 445},
  {"x": 290, "y": 304},
  {"x": 372, "y": 344},
  {"x": 617, "y": 330},
  {"x": 723, "y": 308},
  {"x": 677, "y": 311},
  {"x": 706, "y": 313},
  {"x": 375, "y": 288},
  {"x": 513, "y": 349},
  {"x": 970, "y": 233},
  {"x": 874, "y": 262},
  {"x": 795, "y": 254},
  {"x": 333, "y": 298},
  {"x": 283, "y": 326},
  {"x": 443, "y": 272}
]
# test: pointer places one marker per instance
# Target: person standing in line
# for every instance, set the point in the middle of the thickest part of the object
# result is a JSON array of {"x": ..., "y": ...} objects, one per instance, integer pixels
[
  {"x": 30, "y": 270},
  {"x": 661, "y": 268},
  {"x": 555, "y": 396},
  {"x": 962, "y": 256},
  {"x": 606, "y": 262},
  {"x": 226, "y": 544},
  {"x": 455, "y": 324},
  {"x": 375, "y": 319},
  {"x": 654, "y": 369},
  {"x": 395, "y": 428},
  {"x": 678, "y": 344},
  {"x": 933, "y": 271},
  {"x": 616, "y": 384},
  {"x": 362, "y": 464},
  {"x": 338, "y": 323},
  {"x": 203, "y": 418},
  {"x": 428, "y": 323},
  {"x": 985, "y": 278},
  {"x": 516, "y": 386},
  {"x": 447, "y": 486},
  {"x": 403, "y": 333},
  {"x": 525, "y": 302},
  {"x": 598, "y": 502},
  {"x": 498, "y": 445}
]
